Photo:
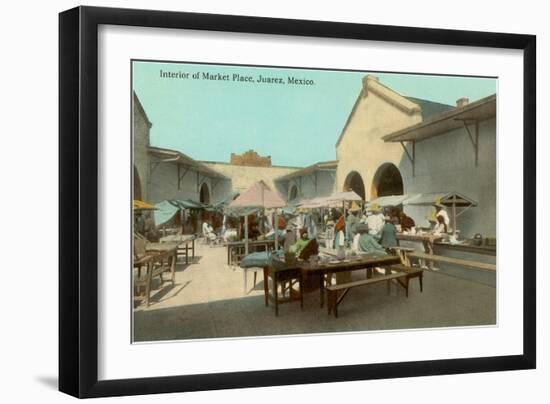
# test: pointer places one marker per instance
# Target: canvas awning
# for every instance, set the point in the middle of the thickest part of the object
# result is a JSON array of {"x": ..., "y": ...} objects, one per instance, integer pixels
[
  {"x": 452, "y": 200},
  {"x": 426, "y": 199},
  {"x": 166, "y": 209},
  {"x": 347, "y": 196},
  {"x": 390, "y": 200},
  {"x": 445, "y": 198}
]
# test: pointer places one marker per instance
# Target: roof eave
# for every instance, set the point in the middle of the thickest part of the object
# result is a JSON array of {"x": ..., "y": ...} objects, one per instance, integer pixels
[
  {"x": 324, "y": 166},
  {"x": 421, "y": 131},
  {"x": 186, "y": 160}
]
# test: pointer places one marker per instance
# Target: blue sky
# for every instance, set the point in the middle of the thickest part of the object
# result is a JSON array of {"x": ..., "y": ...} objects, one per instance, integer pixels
[{"x": 297, "y": 125}]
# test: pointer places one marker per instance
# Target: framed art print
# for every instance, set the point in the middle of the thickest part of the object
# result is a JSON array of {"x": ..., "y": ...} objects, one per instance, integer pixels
[{"x": 250, "y": 201}]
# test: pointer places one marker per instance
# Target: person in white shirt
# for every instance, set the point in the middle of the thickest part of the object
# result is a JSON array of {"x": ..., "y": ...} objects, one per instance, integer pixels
[
  {"x": 375, "y": 220},
  {"x": 442, "y": 217},
  {"x": 208, "y": 232}
]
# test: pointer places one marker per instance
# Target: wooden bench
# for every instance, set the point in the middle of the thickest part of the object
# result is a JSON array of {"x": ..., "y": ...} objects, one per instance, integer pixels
[
  {"x": 410, "y": 272},
  {"x": 455, "y": 261},
  {"x": 332, "y": 290}
]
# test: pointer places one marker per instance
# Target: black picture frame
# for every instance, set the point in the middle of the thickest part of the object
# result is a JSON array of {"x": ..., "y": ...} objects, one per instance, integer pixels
[{"x": 78, "y": 196}]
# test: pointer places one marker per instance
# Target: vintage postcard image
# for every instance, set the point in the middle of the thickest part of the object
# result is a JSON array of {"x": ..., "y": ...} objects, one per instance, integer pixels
[{"x": 275, "y": 201}]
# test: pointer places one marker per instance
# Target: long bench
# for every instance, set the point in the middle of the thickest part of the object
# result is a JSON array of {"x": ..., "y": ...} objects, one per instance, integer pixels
[
  {"x": 455, "y": 261},
  {"x": 332, "y": 290}
]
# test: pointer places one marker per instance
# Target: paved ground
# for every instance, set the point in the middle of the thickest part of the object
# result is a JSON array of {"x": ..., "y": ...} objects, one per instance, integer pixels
[{"x": 207, "y": 301}]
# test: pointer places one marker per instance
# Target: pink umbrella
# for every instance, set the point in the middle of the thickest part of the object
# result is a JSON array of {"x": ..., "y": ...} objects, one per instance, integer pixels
[{"x": 258, "y": 195}]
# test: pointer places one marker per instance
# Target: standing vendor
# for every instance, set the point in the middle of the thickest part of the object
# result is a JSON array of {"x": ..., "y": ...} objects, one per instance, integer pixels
[
  {"x": 441, "y": 215},
  {"x": 351, "y": 221},
  {"x": 339, "y": 236}
]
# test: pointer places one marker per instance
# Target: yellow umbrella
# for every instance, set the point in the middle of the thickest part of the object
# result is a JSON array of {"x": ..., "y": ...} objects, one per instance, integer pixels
[{"x": 140, "y": 205}]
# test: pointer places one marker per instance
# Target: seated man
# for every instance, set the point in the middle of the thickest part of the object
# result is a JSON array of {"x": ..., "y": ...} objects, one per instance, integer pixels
[
  {"x": 388, "y": 236},
  {"x": 300, "y": 243},
  {"x": 366, "y": 244},
  {"x": 304, "y": 247},
  {"x": 208, "y": 232}
]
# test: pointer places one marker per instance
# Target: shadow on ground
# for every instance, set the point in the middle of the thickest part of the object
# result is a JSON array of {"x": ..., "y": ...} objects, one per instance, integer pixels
[{"x": 445, "y": 302}]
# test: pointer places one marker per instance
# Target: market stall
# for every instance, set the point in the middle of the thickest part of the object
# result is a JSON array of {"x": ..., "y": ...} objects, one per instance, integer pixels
[{"x": 257, "y": 198}]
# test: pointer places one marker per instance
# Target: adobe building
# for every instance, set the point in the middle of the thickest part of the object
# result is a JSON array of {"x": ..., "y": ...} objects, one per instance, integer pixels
[
  {"x": 390, "y": 145},
  {"x": 161, "y": 173},
  {"x": 248, "y": 168},
  {"x": 395, "y": 145},
  {"x": 309, "y": 182},
  {"x": 454, "y": 151}
]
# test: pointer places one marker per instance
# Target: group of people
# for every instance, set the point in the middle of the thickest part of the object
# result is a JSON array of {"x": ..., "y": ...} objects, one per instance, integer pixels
[
  {"x": 374, "y": 231},
  {"x": 368, "y": 231}
]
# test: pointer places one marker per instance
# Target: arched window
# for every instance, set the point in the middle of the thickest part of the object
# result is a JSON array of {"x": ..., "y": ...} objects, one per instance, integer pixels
[
  {"x": 204, "y": 193},
  {"x": 354, "y": 183},
  {"x": 387, "y": 181},
  {"x": 293, "y": 194}
]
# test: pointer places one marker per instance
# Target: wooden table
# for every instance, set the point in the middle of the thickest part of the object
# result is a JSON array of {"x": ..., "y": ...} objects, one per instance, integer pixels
[
  {"x": 350, "y": 264},
  {"x": 182, "y": 242},
  {"x": 280, "y": 272},
  {"x": 252, "y": 245},
  {"x": 427, "y": 240}
]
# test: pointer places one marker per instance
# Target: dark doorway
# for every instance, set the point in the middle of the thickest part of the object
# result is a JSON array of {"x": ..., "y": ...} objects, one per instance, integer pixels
[
  {"x": 293, "y": 193},
  {"x": 354, "y": 183},
  {"x": 387, "y": 181},
  {"x": 204, "y": 194}
]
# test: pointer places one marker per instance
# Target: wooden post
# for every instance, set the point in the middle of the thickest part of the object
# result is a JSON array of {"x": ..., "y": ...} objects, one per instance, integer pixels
[
  {"x": 246, "y": 234},
  {"x": 454, "y": 216},
  {"x": 276, "y": 226}
]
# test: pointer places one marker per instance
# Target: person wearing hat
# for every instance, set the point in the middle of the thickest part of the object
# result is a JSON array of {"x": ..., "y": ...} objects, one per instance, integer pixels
[
  {"x": 367, "y": 243},
  {"x": 351, "y": 221},
  {"x": 298, "y": 246},
  {"x": 441, "y": 212},
  {"x": 375, "y": 220},
  {"x": 388, "y": 235}
]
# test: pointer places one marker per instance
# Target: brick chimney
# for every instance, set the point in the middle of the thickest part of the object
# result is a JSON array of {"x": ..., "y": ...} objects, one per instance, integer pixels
[{"x": 462, "y": 102}]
